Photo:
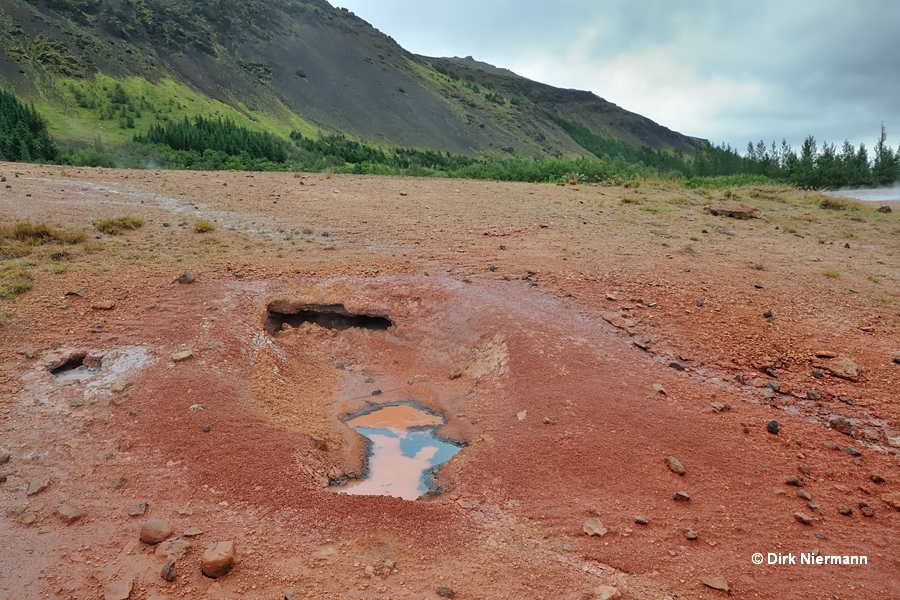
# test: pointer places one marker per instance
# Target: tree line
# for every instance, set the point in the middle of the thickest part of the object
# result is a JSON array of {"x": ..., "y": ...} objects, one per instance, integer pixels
[{"x": 23, "y": 132}]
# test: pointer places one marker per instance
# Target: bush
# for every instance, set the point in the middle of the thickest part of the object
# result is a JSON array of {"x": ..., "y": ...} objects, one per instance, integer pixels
[{"x": 204, "y": 226}]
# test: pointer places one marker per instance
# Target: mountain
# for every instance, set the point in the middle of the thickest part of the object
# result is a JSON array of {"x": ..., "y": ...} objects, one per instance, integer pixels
[{"x": 114, "y": 67}]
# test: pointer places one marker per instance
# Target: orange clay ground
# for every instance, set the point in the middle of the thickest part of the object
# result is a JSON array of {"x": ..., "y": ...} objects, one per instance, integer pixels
[{"x": 572, "y": 336}]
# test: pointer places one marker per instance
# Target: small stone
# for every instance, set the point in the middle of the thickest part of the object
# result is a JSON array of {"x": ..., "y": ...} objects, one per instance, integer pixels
[
  {"x": 820, "y": 535},
  {"x": 594, "y": 527},
  {"x": 521, "y": 415},
  {"x": 79, "y": 293},
  {"x": 897, "y": 360},
  {"x": 876, "y": 479},
  {"x": 841, "y": 425},
  {"x": 445, "y": 592},
  {"x": 794, "y": 481},
  {"x": 192, "y": 532},
  {"x": 172, "y": 548},
  {"x": 207, "y": 429},
  {"x": 319, "y": 442},
  {"x": 817, "y": 373},
  {"x": 186, "y": 277},
  {"x": 76, "y": 402},
  {"x": 803, "y": 518},
  {"x": 292, "y": 595},
  {"x": 675, "y": 465},
  {"x": 607, "y": 592},
  {"x": 492, "y": 268},
  {"x": 814, "y": 506},
  {"x": 852, "y": 451},
  {"x": 772, "y": 427},
  {"x": 376, "y": 392},
  {"x": 699, "y": 302},
  {"x": 813, "y": 395},
  {"x": 168, "y": 571},
  {"x": 768, "y": 314},
  {"x": 719, "y": 406},
  {"x": 779, "y": 491},
  {"x": 138, "y": 508},
  {"x": 117, "y": 590},
  {"x": 831, "y": 445},
  {"x": 682, "y": 497},
  {"x": 676, "y": 365},
  {"x": 108, "y": 305},
  {"x": 718, "y": 583},
  {"x": 846, "y": 400},
  {"x": 867, "y": 511},
  {"x": 804, "y": 469},
  {"x": 4, "y": 458},
  {"x": 690, "y": 534},
  {"x": 154, "y": 531},
  {"x": 892, "y": 500},
  {"x": 183, "y": 355},
  {"x": 801, "y": 493},
  {"x": 38, "y": 484},
  {"x": 218, "y": 559},
  {"x": 845, "y": 510},
  {"x": 641, "y": 520},
  {"x": 120, "y": 482},
  {"x": 657, "y": 387},
  {"x": 69, "y": 513}
]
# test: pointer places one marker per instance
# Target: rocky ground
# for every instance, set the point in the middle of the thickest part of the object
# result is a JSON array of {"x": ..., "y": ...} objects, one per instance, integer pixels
[{"x": 649, "y": 393}]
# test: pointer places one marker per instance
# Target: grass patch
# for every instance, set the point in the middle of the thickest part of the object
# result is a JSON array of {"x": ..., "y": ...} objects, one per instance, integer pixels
[
  {"x": 204, "y": 226},
  {"x": 841, "y": 204},
  {"x": 14, "y": 281},
  {"x": 93, "y": 247},
  {"x": 874, "y": 279},
  {"x": 116, "y": 225},
  {"x": 831, "y": 273},
  {"x": 37, "y": 234}
]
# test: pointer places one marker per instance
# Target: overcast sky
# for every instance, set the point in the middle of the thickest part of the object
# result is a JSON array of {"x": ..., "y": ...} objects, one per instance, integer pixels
[{"x": 726, "y": 70}]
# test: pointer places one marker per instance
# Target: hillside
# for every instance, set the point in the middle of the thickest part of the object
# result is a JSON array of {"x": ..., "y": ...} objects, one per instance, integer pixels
[{"x": 115, "y": 67}]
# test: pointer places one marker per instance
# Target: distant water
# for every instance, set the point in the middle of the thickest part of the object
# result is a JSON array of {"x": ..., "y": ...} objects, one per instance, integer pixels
[{"x": 869, "y": 194}]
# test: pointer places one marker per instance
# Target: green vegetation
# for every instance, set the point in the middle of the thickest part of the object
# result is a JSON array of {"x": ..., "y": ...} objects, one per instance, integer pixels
[
  {"x": 219, "y": 136},
  {"x": 115, "y": 225},
  {"x": 18, "y": 240},
  {"x": 23, "y": 132}
]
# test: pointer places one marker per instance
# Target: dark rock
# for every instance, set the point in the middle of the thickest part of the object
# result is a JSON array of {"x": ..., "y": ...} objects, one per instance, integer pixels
[
  {"x": 884, "y": 209},
  {"x": 168, "y": 571},
  {"x": 867, "y": 511},
  {"x": 445, "y": 592},
  {"x": 846, "y": 400},
  {"x": 757, "y": 286},
  {"x": 801, "y": 493},
  {"x": 4, "y": 457},
  {"x": 690, "y": 534},
  {"x": 897, "y": 360},
  {"x": 699, "y": 302},
  {"x": 852, "y": 451},
  {"x": 675, "y": 465},
  {"x": 794, "y": 481},
  {"x": 772, "y": 427},
  {"x": 820, "y": 535},
  {"x": 676, "y": 365},
  {"x": 803, "y": 518},
  {"x": 814, "y": 506},
  {"x": 207, "y": 429},
  {"x": 79, "y": 293},
  {"x": 492, "y": 268},
  {"x": 773, "y": 385},
  {"x": 186, "y": 277},
  {"x": 876, "y": 478},
  {"x": 643, "y": 345},
  {"x": 768, "y": 314},
  {"x": 290, "y": 595},
  {"x": 682, "y": 497},
  {"x": 813, "y": 395},
  {"x": 845, "y": 510},
  {"x": 641, "y": 520},
  {"x": 804, "y": 469},
  {"x": 847, "y": 245},
  {"x": 376, "y": 392},
  {"x": 817, "y": 373},
  {"x": 771, "y": 373},
  {"x": 841, "y": 425}
]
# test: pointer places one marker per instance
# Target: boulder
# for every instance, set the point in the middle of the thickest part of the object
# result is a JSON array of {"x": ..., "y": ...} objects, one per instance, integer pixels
[{"x": 218, "y": 559}]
